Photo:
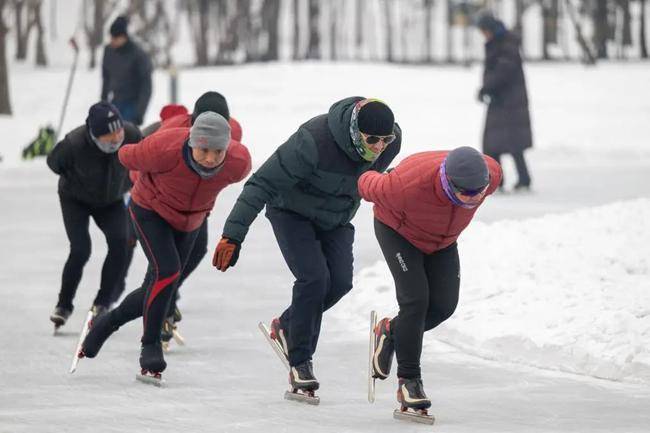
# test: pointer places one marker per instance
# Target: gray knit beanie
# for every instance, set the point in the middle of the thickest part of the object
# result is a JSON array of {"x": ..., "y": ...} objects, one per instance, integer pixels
[
  {"x": 466, "y": 168},
  {"x": 210, "y": 131}
]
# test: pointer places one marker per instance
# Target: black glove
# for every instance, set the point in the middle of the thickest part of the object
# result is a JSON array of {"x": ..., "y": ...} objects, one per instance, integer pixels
[{"x": 483, "y": 96}]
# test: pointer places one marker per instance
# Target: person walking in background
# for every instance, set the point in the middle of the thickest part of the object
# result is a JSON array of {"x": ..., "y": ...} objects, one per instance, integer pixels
[
  {"x": 309, "y": 188},
  {"x": 180, "y": 173},
  {"x": 420, "y": 209},
  {"x": 126, "y": 74},
  {"x": 507, "y": 124},
  {"x": 92, "y": 183}
]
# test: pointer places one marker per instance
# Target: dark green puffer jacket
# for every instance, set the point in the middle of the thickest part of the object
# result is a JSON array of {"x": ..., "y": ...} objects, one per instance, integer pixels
[{"x": 314, "y": 174}]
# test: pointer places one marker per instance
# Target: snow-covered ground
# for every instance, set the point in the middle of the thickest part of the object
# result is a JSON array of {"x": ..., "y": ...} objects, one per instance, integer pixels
[{"x": 557, "y": 279}]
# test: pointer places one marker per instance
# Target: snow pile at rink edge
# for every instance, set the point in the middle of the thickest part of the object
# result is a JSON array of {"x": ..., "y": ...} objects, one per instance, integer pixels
[{"x": 568, "y": 292}]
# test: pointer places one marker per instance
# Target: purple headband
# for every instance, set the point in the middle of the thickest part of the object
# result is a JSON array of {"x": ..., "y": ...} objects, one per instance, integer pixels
[{"x": 449, "y": 192}]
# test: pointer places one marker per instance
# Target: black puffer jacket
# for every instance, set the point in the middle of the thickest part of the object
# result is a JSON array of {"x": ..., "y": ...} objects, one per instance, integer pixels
[
  {"x": 86, "y": 173},
  {"x": 126, "y": 77}
]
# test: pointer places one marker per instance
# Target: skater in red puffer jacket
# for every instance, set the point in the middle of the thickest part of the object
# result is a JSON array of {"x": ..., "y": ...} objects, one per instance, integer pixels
[
  {"x": 420, "y": 208},
  {"x": 181, "y": 171}
]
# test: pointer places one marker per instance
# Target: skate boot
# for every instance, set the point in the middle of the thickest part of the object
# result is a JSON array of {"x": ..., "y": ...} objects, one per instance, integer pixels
[
  {"x": 177, "y": 315},
  {"x": 384, "y": 350},
  {"x": 151, "y": 358},
  {"x": 167, "y": 332},
  {"x": 98, "y": 310},
  {"x": 302, "y": 377},
  {"x": 59, "y": 316},
  {"x": 280, "y": 335},
  {"x": 410, "y": 395},
  {"x": 102, "y": 327}
]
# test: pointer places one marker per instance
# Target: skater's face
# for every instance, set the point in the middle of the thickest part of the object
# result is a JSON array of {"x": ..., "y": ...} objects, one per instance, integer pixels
[
  {"x": 208, "y": 158},
  {"x": 377, "y": 143},
  {"x": 111, "y": 142}
]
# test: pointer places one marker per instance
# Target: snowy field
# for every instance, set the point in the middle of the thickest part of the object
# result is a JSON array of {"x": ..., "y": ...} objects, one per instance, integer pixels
[{"x": 555, "y": 292}]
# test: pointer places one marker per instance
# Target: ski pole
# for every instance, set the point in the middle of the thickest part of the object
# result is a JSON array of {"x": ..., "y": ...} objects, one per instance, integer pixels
[{"x": 75, "y": 47}]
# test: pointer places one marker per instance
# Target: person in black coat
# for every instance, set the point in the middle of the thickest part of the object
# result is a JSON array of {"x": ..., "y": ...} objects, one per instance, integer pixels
[
  {"x": 92, "y": 183},
  {"x": 507, "y": 124},
  {"x": 126, "y": 74}
]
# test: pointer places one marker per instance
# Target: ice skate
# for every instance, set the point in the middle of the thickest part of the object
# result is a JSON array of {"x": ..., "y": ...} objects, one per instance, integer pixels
[
  {"x": 101, "y": 329},
  {"x": 78, "y": 354},
  {"x": 384, "y": 350},
  {"x": 414, "y": 403},
  {"x": 275, "y": 345},
  {"x": 371, "y": 354},
  {"x": 59, "y": 316},
  {"x": 152, "y": 364},
  {"x": 303, "y": 384}
]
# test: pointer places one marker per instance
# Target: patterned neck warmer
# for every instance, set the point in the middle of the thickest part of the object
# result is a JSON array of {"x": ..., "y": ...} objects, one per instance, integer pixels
[
  {"x": 355, "y": 134},
  {"x": 449, "y": 191}
]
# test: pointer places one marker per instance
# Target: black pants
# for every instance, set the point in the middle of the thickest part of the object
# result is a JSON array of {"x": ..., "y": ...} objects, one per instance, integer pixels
[
  {"x": 427, "y": 293},
  {"x": 167, "y": 250},
  {"x": 520, "y": 164},
  {"x": 199, "y": 251},
  {"x": 321, "y": 262},
  {"x": 112, "y": 221}
]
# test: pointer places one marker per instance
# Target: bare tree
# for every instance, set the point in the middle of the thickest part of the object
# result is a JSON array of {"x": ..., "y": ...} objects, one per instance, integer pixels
[
  {"x": 22, "y": 26},
  {"x": 198, "y": 13},
  {"x": 313, "y": 45},
  {"x": 601, "y": 28},
  {"x": 270, "y": 17},
  {"x": 428, "y": 30},
  {"x": 388, "y": 17},
  {"x": 643, "y": 47},
  {"x": 296, "y": 30},
  {"x": 99, "y": 11},
  {"x": 35, "y": 8},
  {"x": 360, "y": 7},
  {"x": 5, "y": 104},
  {"x": 154, "y": 29}
]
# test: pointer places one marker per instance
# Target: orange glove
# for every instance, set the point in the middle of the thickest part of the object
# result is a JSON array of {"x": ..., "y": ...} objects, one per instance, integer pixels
[{"x": 226, "y": 253}]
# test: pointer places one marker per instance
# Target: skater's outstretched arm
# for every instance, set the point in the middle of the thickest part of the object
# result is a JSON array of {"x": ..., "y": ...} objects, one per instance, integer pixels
[{"x": 150, "y": 156}]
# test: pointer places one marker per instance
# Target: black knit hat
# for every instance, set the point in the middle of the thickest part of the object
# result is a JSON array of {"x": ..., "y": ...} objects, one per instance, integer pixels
[
  {"x": 211, "y": 101},
  {"x": 376, "y": 118},
  {"x": 466, "y": 168},
  {"x": 103, "y": 118},
  {"x": 118, "y": 28}
]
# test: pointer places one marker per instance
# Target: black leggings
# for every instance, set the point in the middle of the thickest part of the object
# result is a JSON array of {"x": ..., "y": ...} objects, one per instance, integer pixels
[
  {"x": 167, "y": 250},
  {"x": 520, "y": 164},
  {"x": 427, "y": 293},
  {"x": 112, "y": 221}
]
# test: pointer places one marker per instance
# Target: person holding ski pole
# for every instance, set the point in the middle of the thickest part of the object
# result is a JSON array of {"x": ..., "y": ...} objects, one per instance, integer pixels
[
  {"x": 309, "y": 188},
  {"x": 420, "y": 209},
  {"x": 92, "y": 183},
  {"x": 180, "y": 173}
]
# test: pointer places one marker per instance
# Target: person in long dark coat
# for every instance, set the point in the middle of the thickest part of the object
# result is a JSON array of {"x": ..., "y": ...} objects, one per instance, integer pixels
[{"x": 507, "y": 124}]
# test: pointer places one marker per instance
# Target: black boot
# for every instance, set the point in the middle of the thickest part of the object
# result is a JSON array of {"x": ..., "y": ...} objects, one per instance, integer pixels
[
  {"x": 410, "y": 394},
  {"x": 384, "y": 350},
  {"x": 60, "y": 315},
  {"x": 101, "y": 328},
  {"x": 151, "y": 358},
  {"x": 302, "y": 377}
]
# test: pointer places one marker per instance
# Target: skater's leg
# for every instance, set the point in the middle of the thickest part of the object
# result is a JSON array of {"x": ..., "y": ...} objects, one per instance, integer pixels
[
  {"x": 406, "y": 264},
  {"x": 111, "y": 220},
  {"x": 76, "y": 217},
  {"x": 337, "y": 247},
  {"x": 303, "y": 253},
  {"x": 443, "y": 273},
  {"x": 131, "y": 243},
  {"x": 199, "y": 250}
]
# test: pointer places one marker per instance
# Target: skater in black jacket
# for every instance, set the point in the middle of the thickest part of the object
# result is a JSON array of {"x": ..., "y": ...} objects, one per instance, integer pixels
[{"x": 92, "y": 183}]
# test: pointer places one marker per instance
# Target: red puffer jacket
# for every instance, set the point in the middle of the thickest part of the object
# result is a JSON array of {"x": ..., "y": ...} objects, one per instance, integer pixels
[
  {"x": 185, "y": 121},
  {"x": 410, "y": 200},
  {"x": 168, "y": 186}
]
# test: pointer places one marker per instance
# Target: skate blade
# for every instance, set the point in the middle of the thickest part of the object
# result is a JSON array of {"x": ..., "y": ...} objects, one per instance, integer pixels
[
  {"x": 274, "y": 345},
  {"x": 178, "y": 338},
  {"x": 151, "y": 379},
  {"x": 165, "y": 346},
  {"x": 421, "y": 416},
  {"x": 302, "y": 397},
  {"x": 371, "y": 354},
  {"x": 82, "y": 337}
]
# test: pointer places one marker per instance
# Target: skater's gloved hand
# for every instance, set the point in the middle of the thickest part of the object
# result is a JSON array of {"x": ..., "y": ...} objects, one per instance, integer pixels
[
  {"x": 483, "y": 96},
  {"x": 226, "y": 253}
]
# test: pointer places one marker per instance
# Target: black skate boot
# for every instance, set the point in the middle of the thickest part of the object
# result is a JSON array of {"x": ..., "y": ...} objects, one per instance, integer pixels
[
  {"x": 101, "y": 328},
  {"x": 410, "y": 395},
  {"x": 151, "y": 358},
  {"x": 302, "y": 377},
  {"x": 59, "y": 316},
  {"x": 280, "y": 335},
  {"x": 384, "y": 350}
]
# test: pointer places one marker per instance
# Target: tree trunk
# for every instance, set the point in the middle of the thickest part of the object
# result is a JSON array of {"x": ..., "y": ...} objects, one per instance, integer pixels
[
  {"x": 388, "y": 19},
  {"x": 5, "y": 104},
  {"x": 270, "y": 17},
  {"x": 22, "y": 29},
  {"x": 601, "y": 28},
  {"x": 428, "y": 30},
  {"x": 41, "y": 56},
  {"x": 333, "y": 17},
  {"x": 95, "y": 30},
  {"x": 642, "y": 36},
  {"x": 296, "y": 30},
  {"x": 358, "y": 30},
  {"x": 313, "y": 46},
  {"x": 449, "y": 23}
]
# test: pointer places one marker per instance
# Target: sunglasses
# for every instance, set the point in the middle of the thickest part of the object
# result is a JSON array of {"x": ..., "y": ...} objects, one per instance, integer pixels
[
  {"x": 374, "y": 139},
  {"x": 468, "y": 192}
]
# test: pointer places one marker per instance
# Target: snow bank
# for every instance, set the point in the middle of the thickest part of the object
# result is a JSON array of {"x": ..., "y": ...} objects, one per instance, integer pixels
[{"x": 567, "y": 292}]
